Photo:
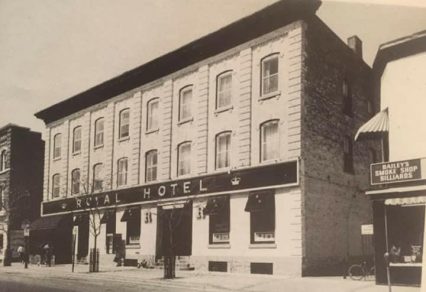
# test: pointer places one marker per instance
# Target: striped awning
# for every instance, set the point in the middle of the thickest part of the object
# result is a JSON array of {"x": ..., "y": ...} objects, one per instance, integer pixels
[
  {"x": 420, "y": 200},
  {"x": 377, "y": 125}
]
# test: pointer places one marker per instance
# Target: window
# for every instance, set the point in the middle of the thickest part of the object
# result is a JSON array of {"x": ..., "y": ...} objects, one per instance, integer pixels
[
  {"x": 123, "y": 132},
  {"x": 122, "y": 172},
  {"x": 152, "y": 115},
  {"x": 219, "y": 221},
  {"x": 261, "y": 206},
  {"x": 184, "y": 158},
  {"x": 57, "y": 146},
  {"x": 76, "y": 144},
  {"x": 151, "y": 166},
  {"x": 75, "y": 183},
  {"x": 223, "y": 149},
  {"x": 56, "y": 180},
  {"x": 185, "y": 100},
  {"x": 99, "y": 132},
  {"x": 269, "y": 145},
  {"x": 97, "y": 177},
  {"x": 373, "y": 155},
  {"x": 1, "y": 197},
  {"x": 224, "y": 90},
  {"x": 269, "y": 79},
  {"x": 133, "y": 218},
  {"x": 347, "y": 98},
  {"x": 347, "y": 155},
  {"x": 3, "y": 160}
]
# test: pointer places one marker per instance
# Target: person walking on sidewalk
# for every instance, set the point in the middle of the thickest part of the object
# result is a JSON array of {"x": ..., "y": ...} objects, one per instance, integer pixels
[{"x": 21, "y": 252}]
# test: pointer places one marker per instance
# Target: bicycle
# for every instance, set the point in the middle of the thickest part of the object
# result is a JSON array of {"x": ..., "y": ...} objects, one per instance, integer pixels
[{"x": 361, "y": 271}]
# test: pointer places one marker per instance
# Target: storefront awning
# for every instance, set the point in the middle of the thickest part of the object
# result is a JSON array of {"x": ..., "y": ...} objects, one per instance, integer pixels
[
  {"x": 375, "y": 127},
  {"x": 47, "y": 223},
  {"x": 260, "y": 201},
  {"x": 420, "y": 200},
  {"x": 81, "y": 218},
  {"x": 107, "y": 216},
  {"x": 216, "y": 204},
  {"x": 397, "y": 190},
  {"x": 130, "y": 214}
]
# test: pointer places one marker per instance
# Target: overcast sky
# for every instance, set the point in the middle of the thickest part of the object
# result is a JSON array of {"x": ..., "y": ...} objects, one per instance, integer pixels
[{"x": 51, "y": 50}]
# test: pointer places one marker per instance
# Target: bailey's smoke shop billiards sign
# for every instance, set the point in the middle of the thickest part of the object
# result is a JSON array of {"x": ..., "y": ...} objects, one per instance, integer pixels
[
  {"x": 280, "y": 174},
  {"x": 397, "y": 171}
]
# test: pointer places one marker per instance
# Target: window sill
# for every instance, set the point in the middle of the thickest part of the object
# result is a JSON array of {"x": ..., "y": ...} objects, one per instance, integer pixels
[
  {"x": 181, "y": 122},
  {"x": 223, "y": 109},
  {"x": 98, "y": 146},
  {"x": 133, "y": 246},
  {"x": 2, "y": 212},
  {"x": 150, "y": 131},
  {"x": 262, "y": 245},
  {"x": 276, "y": 94},
  {"x": 56, "y": 158},
  {"x": 4, "y": 171},
  {"x": 405, "y": 264},
  {"x": 76, "y": 153},
  {"x": 123, "y": 139},
  {"x": 219, "y": 246}
]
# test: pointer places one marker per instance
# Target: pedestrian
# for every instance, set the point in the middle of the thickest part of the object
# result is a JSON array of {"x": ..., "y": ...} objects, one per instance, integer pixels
[
  {"x": 21, "y": 252},
  {"x": 47, "y": 254}
]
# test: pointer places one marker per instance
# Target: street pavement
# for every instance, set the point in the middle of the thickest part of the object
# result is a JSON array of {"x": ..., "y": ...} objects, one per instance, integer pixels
[{"x": 60, "y": 278}]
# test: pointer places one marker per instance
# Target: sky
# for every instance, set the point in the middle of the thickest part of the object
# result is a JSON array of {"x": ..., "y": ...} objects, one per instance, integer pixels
[{"x": 51, "y": 50}]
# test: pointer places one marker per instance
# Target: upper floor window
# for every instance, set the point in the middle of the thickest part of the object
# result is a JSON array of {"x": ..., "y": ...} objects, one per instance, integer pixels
[
  {"x": 348, "y": 163},
  {"x": 122, "y": 171},
  {"x": 223, "y": 149},
  {"x": 151, "y": 166},
  {"x": 224, "y": 90},
  {"x": 347, "y": 97},
  {"x": 152, "y": 115},
  {"x": 124, "y": 123},
  {"x": 184, "y": 158},
  {"x": 75, "y": 181},
  {"x": 99, "y": 132},
  {"x": 269, "y": 137},
  {"x": 1, "y": 197},
  {"x": 3, "y": 160},
  {"x": 269, "y": 78},
  {"x": 56, "y": 180},
  {"x": 76, "y": 143},
  {"x": 185, "y": 101},
  {"x": 57, "y": 146},
  {"x": 98, "y": 177}
]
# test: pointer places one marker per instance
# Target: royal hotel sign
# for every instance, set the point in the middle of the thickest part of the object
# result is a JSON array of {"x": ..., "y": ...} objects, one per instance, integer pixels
[
  {"x": 398, "y": 171},
  {"x": 280, "y": 174}
]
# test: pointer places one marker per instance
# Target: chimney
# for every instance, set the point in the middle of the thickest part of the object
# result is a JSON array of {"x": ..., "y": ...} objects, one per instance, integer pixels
[{"x": 355, "y": 44}]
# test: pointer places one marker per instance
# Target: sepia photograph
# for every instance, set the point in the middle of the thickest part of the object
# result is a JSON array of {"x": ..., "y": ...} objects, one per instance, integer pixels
[{"x": 212, "y": 145}]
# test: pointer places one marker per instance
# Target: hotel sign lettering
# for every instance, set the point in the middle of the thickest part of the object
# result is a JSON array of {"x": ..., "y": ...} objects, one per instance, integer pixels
[
  {"x": 396, "y": 171},
  {"x": 250, "y": 178}
]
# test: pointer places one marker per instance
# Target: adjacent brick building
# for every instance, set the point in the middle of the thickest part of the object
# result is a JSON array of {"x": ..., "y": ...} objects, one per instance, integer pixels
[
  {"x": 21, "y": 187},
  {"x": 247, "y": 130}
]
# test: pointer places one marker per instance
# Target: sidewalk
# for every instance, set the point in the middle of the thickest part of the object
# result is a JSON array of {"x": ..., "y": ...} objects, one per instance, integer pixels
[{"x": 203, "y": 281}]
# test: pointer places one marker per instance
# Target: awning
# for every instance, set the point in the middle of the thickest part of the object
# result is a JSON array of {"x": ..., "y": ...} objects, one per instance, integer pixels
[
  {"x": 47, "y": 223},
  {"x": 131, "y": 213},
  {"x": 260, "y": 201},
  {"x": 375, "y": 127},
  {"x": 216, "y": 204},
  {"x": 81, "y": 218},
  {"x": 397, "y": 190},
  {"x": 107, "y": 216},
  {"x": 420, "y": 200}
]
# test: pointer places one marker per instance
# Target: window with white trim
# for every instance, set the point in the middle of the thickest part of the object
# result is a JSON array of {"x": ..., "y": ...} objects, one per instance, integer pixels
[
  {"x": 224, "y": 90},
  {"x": 75, "y": 181},
  {"x": 185, "y": 102},
  {"x": 223, "y": 150},
  {"x": 151, "y": 166},
  {"x": 122, "y": 171},
  {"x": 184, "y": 158},
  {"x": 76, "y": 140},
  {"x": 1, "y": 197},
  {"x": 269, "y": 74},
  {"x": 57, "y": 146},
  {"x": 99, "y": 132},
  {"x": 261, "y": 206},
  {"x": 152, "y": 114},
  {"x": 124, "y": 124},
  {"x": 3, "y": 160},
  {"x": 269, "y": 141},
  {"x": 98, "y": 177},
  {"x": 56, "y": 187}
]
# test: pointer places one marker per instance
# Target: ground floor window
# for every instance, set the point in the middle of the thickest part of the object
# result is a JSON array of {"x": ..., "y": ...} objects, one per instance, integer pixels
[
  {"x": 108, "y": 218},
  {"x": 261, "y": 206},
  {"x": 217, "y": 209},
  {"x": 405, "y": 227},
  {"x": 133, "y": 227},
  {"x": 1, "y": 244}
]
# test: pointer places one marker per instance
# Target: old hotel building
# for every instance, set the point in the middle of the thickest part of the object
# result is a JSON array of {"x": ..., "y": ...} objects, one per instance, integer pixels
[{"x": 246, "y": 134}]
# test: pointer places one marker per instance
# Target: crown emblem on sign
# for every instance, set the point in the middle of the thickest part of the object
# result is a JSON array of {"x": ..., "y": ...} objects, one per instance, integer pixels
[
  {"x": 235, "y": 181},
  {"x": 64, "y": 206}
]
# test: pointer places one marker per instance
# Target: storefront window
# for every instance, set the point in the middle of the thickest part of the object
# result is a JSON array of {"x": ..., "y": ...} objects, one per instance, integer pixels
[
  {"x": 217, "y": 209},
  {"x": 132, "y": 217},
  {"x": 261, "y": 206}
]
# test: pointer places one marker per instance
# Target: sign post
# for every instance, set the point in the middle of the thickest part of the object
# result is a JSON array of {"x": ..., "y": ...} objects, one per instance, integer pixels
[{"x": 74, "y": 234}]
